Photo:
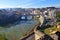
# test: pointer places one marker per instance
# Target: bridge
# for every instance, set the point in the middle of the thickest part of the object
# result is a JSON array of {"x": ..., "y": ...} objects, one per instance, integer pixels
[{"x": 27, "y": 17}]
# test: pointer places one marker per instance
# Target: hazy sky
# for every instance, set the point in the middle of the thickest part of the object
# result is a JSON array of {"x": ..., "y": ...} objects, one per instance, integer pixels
[{"x": 28, "y": 3}]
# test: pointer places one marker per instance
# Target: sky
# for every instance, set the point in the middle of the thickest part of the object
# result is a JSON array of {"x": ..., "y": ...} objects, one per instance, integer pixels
[{"x": 29, "y": 3}]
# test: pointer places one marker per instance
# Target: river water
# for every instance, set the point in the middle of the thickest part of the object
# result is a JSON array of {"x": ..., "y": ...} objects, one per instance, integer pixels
[{"x": 16, "y": 31}]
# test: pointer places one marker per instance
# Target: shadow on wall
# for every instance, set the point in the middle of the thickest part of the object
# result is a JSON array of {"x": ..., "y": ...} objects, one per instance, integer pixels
[{"x": 58, "y": 33}]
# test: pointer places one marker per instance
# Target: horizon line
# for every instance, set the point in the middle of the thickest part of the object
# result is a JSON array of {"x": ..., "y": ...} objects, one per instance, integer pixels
[{"x": 28, "y": 7}]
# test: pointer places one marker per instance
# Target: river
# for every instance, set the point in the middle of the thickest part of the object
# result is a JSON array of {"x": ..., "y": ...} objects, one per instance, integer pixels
[{"x": 16, "y": 31}]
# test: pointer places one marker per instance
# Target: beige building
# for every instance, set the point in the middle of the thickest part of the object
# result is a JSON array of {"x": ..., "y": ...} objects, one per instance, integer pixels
[
  {"x": 52, "y": 14},
  {"x": 36, "y": 12},
  {"x": 54, "y": 37},
  {"x": 41, "y": 19}
]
